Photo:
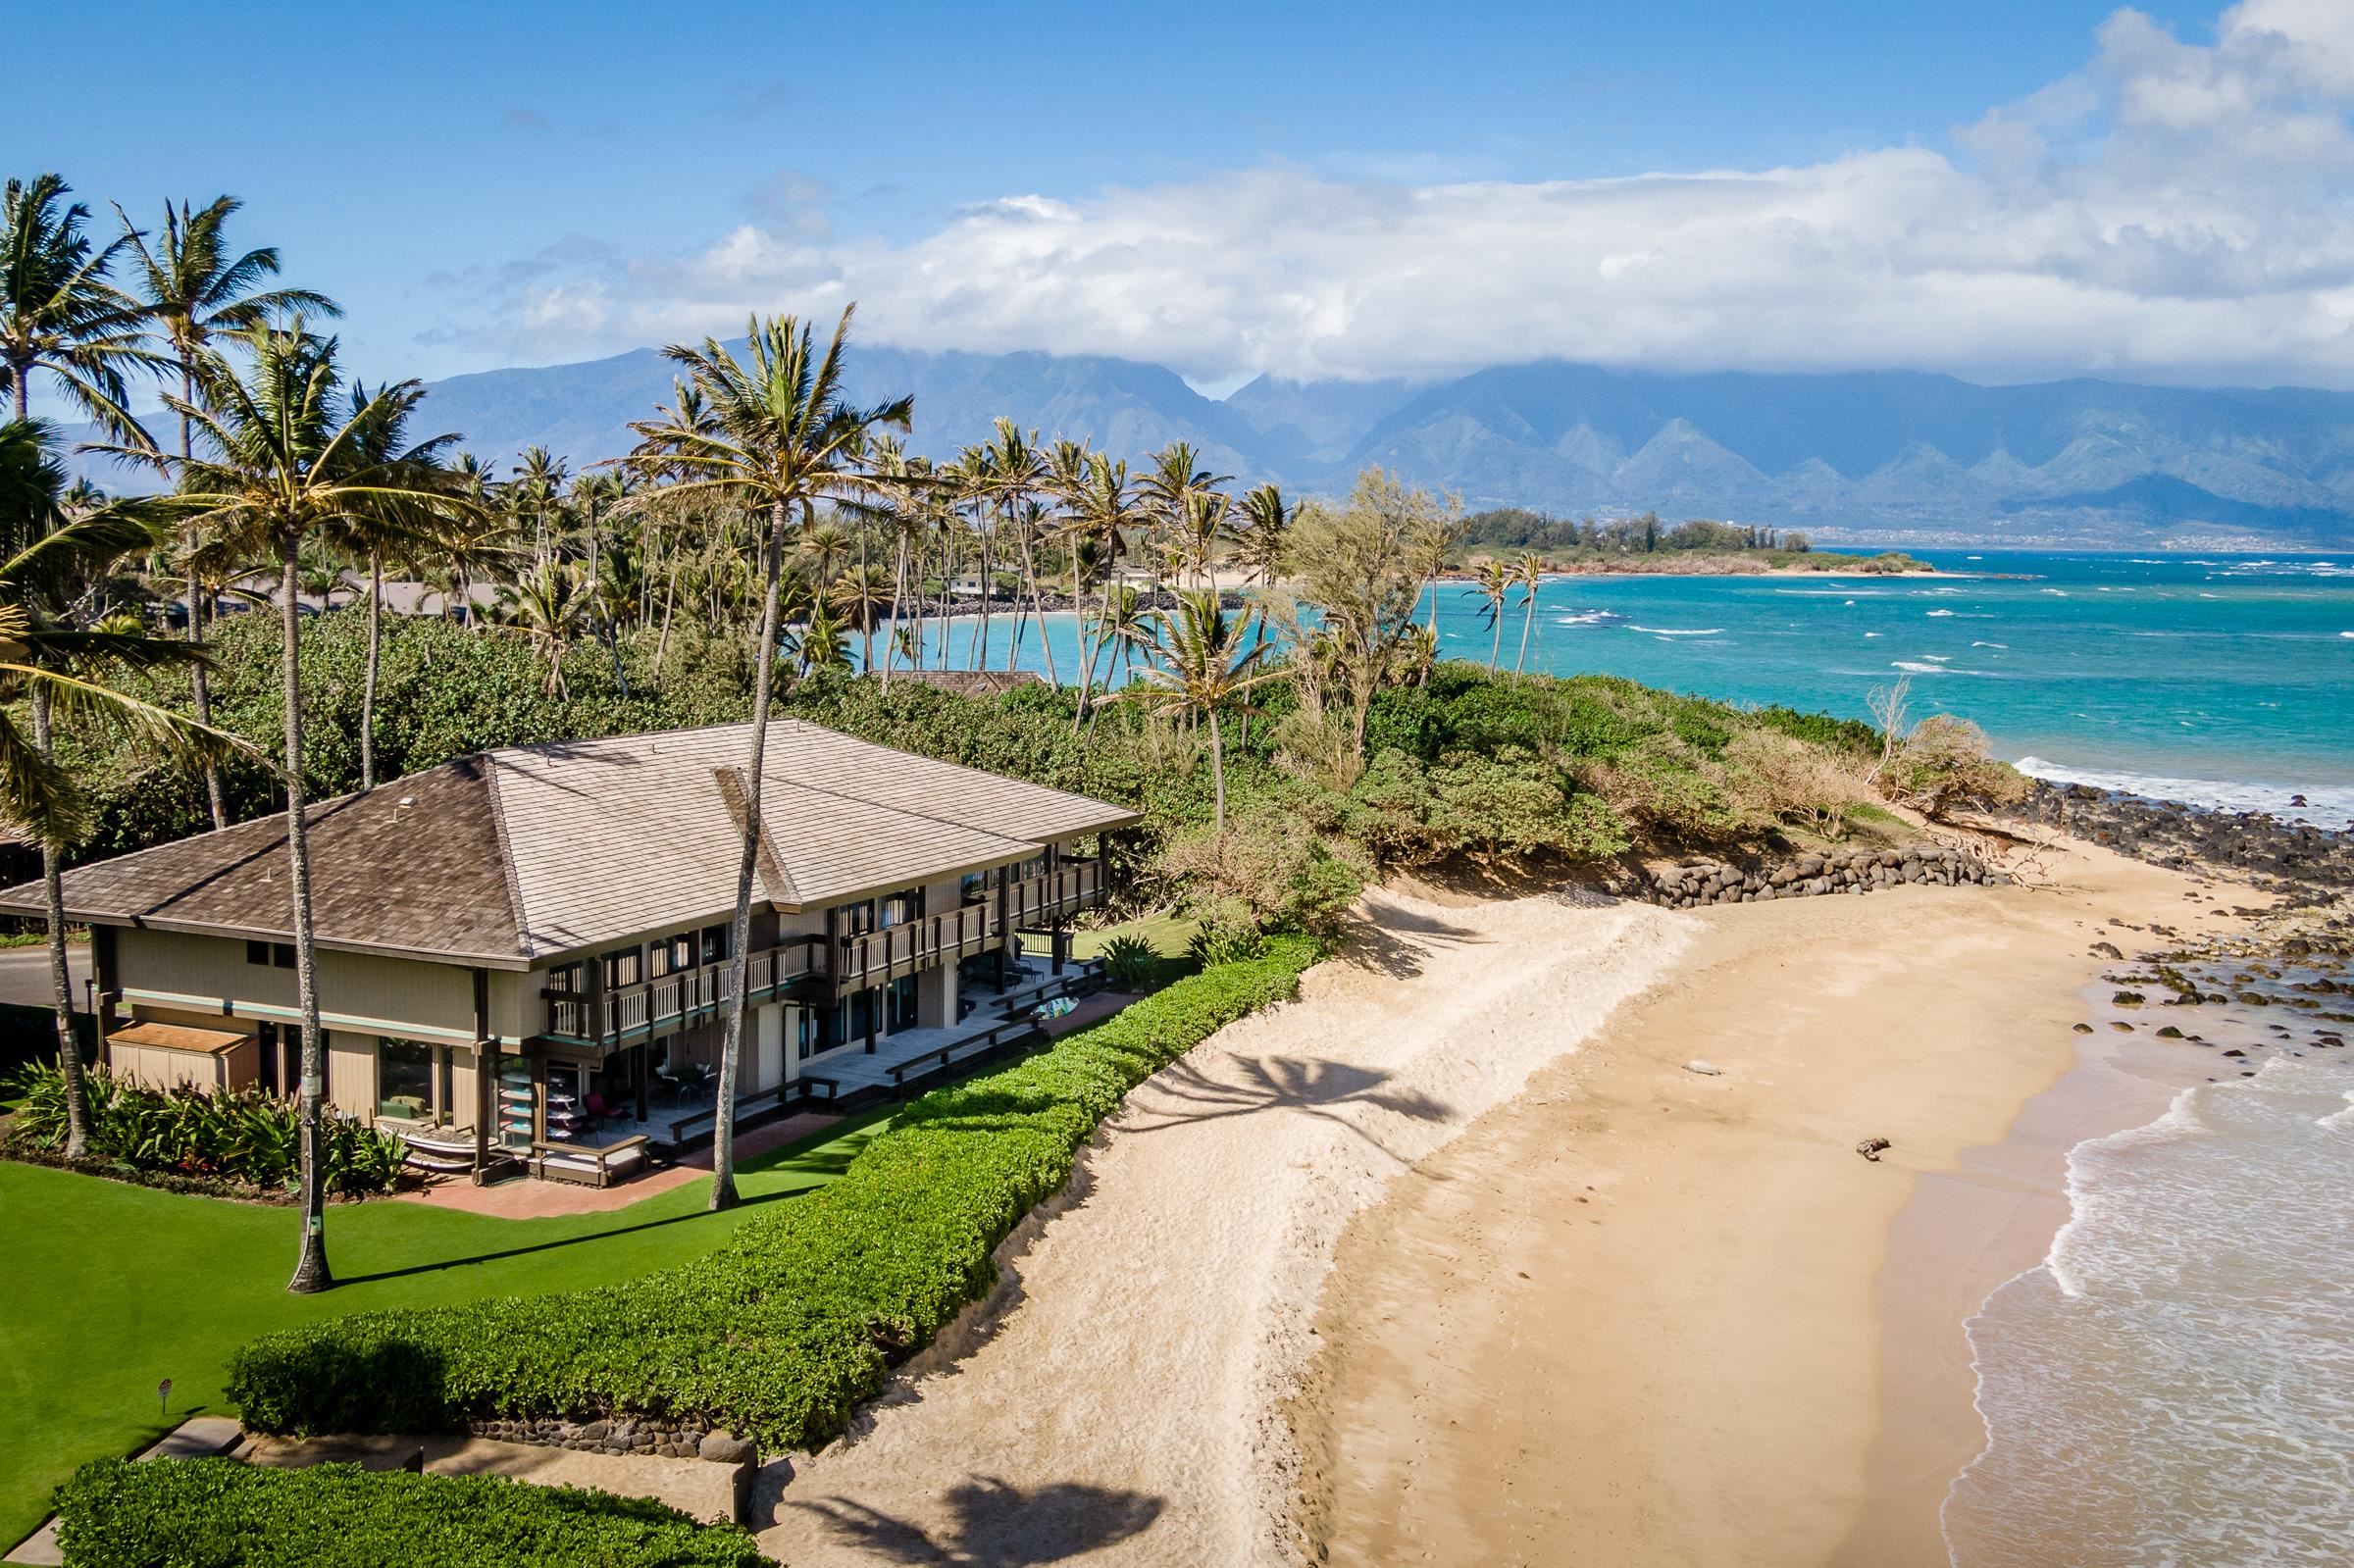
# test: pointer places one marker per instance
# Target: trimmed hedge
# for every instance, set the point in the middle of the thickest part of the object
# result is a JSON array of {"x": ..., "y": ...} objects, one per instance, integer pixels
[
  {"x": 217, "y": 1513},
  {"x": 779, "y": 1333}
]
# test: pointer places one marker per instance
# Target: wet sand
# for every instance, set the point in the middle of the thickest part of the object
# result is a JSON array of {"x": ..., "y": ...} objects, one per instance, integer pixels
[{"x": 1646, "y": 1316}]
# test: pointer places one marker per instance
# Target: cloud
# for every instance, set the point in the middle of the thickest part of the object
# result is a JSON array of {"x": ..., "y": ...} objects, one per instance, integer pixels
[{"x": 2172, "y": 210}]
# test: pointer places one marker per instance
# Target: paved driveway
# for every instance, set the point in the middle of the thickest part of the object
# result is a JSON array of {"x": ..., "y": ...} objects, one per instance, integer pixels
[{"x": 24, "y": 975}]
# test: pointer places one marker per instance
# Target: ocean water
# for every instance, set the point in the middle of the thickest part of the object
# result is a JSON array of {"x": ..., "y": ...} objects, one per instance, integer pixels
[
  {"x": 2225, "y": 679},
  {"x": 2174, "y": 1386}
]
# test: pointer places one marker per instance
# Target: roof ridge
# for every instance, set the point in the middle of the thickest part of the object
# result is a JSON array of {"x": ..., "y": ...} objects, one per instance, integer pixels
[{"x": 506, "y": 855}]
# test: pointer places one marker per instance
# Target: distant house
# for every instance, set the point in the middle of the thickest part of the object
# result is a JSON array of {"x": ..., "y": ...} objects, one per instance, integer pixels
[{"x": 528, "y": 947}]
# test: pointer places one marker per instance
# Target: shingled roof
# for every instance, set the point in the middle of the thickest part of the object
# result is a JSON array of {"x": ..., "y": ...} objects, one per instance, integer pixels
[{"x": 516, "y": 854}]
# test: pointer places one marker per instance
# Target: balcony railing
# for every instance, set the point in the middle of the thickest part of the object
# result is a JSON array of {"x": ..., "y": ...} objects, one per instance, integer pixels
[
  {"x": 1040, "y": 901},
  {"x": 877, "y": 957},
  {"x": 656, "y": 1007}
]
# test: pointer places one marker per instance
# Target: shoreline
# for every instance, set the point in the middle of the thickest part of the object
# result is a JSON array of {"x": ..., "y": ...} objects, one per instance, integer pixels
[{"x": 1643, "y": 1315}]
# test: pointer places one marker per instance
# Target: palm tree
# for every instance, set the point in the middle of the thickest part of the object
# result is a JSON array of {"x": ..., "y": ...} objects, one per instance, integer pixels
[
  {"x": 779, "y": 437},
  {"x": 1010, "y": 476},
  {"x": 1527, "y": 572},
  {"x": 862, "y": 595},
  {"x": 1099, "y": 506},
  {"x": 545, "y": 606},
  {"x": 1492, "y": 583},
  {"x": 1200, "y": 667},
  {"x": 58, "y": 313},
  {"x": 192, "y": 289},
  {"x": 369, "y": 532},
  {"x": 1174, "y": 479},
  {"x": 537, "y": 488},
  {"x": 48, "y": 662},
  {"x": 280, "y": 472}
]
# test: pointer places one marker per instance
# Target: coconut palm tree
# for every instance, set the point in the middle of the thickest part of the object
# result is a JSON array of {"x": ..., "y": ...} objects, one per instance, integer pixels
[
  {"x": 45, "y": 552},
  {"x": 1200, "y": 667},
  {"x": 1174, "y": 479},
  {"x": 1100, "y": 507},
  {"x": 278, "y": 472},
  {"x": 1492, "y": 583},
  {"x": 536, "y": 491},
  {"x": 546, "y": 606},
  {"x": 862, "y": 597},
  {"x": 780, "y": 438},
  {"x": 403, "y": 530},
  {"x": 58, "y": 313},
  {"x": 1528, "y": 571},
  {"x": 191, "y": 288}
]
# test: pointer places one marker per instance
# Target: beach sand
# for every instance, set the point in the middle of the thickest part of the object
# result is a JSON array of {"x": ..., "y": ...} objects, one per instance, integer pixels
[
  {"x": 1646, "y": 1316},
  {"x": 1120, "y": 1398}
]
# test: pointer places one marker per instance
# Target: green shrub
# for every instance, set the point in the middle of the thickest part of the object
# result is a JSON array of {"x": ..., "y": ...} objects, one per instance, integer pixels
[
  {"x": 779, "y": 1333},
  {"x": 247, "y": 1136},
  {"x": 217, "y": 1513},
  {"x": 1131, "y": 962}
]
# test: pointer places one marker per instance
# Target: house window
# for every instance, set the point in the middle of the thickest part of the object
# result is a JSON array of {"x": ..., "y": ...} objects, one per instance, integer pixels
[
  {"x": 820, "y": 1032},
  {"x": 900, "y": 908},
  {"x": 715, "y": 944},
  {"x": 974, "y": 889},
  {"x": 899, "y": 1004},
  {"x": 622, "y": 968},
  {"x": 855, "y": 920},
  {"x": 566, "y": 979},
  {"x": 672, "y": 955},
  {"x": 404, "y": 1078},
  {"x": 273, "y": 955}
]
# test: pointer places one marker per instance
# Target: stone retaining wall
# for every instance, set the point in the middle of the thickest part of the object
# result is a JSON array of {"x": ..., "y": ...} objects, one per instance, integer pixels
[
  {"x": 688, "y": 1439},
  {"x": 1839, "y": 870}
]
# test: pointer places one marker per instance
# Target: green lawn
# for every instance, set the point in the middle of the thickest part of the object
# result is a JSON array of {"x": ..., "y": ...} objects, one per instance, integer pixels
[
  {"x": 113, "y": 1288},
  {"x": 1166, "y": 933}
]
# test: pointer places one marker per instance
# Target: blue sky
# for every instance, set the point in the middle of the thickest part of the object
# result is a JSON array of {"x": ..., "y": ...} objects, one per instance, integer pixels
[{"x": 486, "y": 185}]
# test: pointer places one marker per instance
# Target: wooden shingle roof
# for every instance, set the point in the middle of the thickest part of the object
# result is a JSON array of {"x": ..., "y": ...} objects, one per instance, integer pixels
[{"x": 516, "y": 854}]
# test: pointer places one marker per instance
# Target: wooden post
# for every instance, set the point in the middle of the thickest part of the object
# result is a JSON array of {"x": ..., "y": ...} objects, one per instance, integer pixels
[{"x": 486, "y": 1073}]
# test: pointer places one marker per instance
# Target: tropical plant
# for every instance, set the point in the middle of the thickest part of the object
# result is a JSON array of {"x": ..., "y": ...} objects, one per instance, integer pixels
[
  {"x": 778, "y": 435},
  {"x": 1130, "y": 961},
  {"x": 546, "y": 606},
  {"x": 277, "y": 473},
  {"x": 1202, "y": 667},
  {"x": 1493, "y": 584},
  {"x": 58, "y": 313},
  {"x": 55, "y": 666},
  {"x": 1529, "y": 574},
  {"x": 192, "y": 287}
]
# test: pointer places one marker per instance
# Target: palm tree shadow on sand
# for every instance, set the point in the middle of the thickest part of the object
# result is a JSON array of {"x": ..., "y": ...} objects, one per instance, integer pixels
[
  {"x": 997, "y": 1525},
  {"x": 1183, "y": 1094}
]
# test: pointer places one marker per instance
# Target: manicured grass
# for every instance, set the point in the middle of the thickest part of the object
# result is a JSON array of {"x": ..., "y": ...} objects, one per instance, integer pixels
[
  {"x": 1166, "y": 933},
  {"x": 114, "y": 1288}
]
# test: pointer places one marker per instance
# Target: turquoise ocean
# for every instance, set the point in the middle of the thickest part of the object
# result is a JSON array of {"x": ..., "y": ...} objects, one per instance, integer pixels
[{"x": 2225, "y": 679}]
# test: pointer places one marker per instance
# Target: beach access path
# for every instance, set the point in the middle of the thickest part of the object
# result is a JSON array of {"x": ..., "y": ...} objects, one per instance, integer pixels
[
  {"x": 1649, "y": 1316},
  {"x": 1121, "y": 1396}
]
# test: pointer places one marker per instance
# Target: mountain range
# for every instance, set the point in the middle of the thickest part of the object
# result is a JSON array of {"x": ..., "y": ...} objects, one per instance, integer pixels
[{"x": 1897, "y": 457}]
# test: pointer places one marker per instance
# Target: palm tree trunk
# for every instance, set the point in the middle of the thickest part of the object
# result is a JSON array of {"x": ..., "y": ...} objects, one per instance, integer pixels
[
  {"x": 898, "y": 593},
  {"x": 1496, "y": 643},
  {"x": 988, "y": 593},
  {"x": 60, "y": 977},
  {"x": 1218, "y": 774},
  {"x": 866, "y": 612},
  {"x": 1038, "y": 601},
  {"x": 375, "y": 624},
  {"x": 730, "y": 1049},
  {"x": 1528, "y": 618},
  {"x": 311, "y": 1273},
  {"x": 199, "y": 684}
]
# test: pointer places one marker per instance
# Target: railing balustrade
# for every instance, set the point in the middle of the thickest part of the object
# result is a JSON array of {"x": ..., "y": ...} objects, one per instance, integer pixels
[{"x": 657, "y": 1005}]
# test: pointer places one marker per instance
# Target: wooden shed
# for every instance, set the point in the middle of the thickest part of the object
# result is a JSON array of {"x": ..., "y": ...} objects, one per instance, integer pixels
[{"x": 165, "y": 1057}]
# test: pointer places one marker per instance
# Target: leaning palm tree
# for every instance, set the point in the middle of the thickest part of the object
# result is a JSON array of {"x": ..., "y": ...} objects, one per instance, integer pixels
[
  {"x": 278, "y": 472},
  {"x": 1528, "y": 573},
  {"x": 1492, "y": 583},
  {"x": 55, "y": 666},
  {"x": 780, "y": 437},
  {"x": 58, "y": 313},
  {"x": 1200, "y": 667},
  {"x": 191, "y": 288}
]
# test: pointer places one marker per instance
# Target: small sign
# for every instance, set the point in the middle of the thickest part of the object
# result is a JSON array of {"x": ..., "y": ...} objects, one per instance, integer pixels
[{"x": 163, "y": 1396}]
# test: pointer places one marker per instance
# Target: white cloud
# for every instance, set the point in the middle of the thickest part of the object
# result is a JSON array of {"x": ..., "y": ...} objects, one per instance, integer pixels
[{"x": 2173, "y": 211}]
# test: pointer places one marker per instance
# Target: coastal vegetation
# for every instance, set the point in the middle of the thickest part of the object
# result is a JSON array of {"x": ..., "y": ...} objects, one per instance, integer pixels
[
  {"x": 1645, "y": 543},
  {"x": 210, "y": 1513}
]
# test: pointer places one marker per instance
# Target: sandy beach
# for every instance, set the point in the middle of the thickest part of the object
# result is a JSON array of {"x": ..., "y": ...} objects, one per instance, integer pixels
[{"x": 1646, "y": 1316}]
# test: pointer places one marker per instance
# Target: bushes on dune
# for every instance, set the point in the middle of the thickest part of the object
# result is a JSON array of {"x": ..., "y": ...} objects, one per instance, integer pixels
[
  {"x": 782, "y": 1330},
  {"x": 217, "y": 1513}
]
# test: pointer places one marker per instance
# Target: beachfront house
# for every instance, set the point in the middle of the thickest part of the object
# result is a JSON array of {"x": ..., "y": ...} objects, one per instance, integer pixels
[{"x": 524, "y": 954}]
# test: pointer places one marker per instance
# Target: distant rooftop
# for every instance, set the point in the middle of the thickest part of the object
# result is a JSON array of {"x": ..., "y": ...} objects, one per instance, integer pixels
[{"x": 508, "y": 856}]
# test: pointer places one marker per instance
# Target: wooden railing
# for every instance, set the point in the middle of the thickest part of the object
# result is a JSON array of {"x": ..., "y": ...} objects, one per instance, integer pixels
[
  {"x": 655, "y": 1007},
  {"x": 877, "y": 957},
  {"x": 1053, "y": 895}
]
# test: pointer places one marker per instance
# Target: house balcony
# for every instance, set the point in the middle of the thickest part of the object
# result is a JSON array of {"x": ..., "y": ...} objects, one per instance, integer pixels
[
  {"x": 878, "y": 957},
  {"x": 655, "y": 1008},
  {"x": 1035, "y": 901}
]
